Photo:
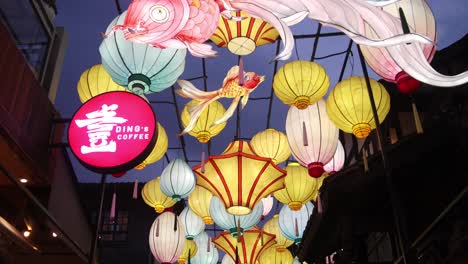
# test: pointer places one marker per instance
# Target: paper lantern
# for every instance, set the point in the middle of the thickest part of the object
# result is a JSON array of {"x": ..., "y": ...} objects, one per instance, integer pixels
[
  {"x": 227, "y": 260},
  {"x": 207, "y": 252},
  {"x": 203, "y": 131},
  {"x": 349, "y": 107},
  {"x": 293, "y": 223},
  {"x": 299, "y": 187},
  {"x": 154, "y": 197},
  {"x": 199, "y": 203},
  {"x": 95, "y": 81},
  {"x": 421, "y": 21},
  {"x": 273, "y": 256},
  {"x": 337, "y": 162},
  {"x": 190, "y": 250},
  {"x": 159, "y": 149},
  {"x": 252, "y": 243},
  {"x": 301, "y": 83},
  {"x": 267, "y": 205},
  {"x": 230, "y": 222},
  {"x": 272, "y": 227},
  {"x": 240, "y": 178},
  {"x": 167, "y": 238},
  {"x": 242, "y": 37},
  {"x": 271, "y": 144},
  {"x": 319, "y": 184},
  {"x": 140, "y": 67},
  {"x": 193, "y": 224},
  {"x": 312, "y": 137},
  {"x": 177, "y": 179}
]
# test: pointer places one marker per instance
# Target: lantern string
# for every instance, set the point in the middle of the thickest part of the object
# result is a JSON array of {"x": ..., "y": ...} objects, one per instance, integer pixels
[
  {"x": 304, "y": 134},
  {"x": 135, "y": 189},
  {"x": 241, "y": 71},
  {"x": 237, "y": 255},
  {"x": 189, "y": 255}
]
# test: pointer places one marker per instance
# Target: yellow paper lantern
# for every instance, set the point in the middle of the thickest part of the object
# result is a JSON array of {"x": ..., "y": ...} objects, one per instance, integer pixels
[
  {"x": 203, "y": 131},
  {"x": 319, "y": 184},
  {"x": 189, "y": 249},
  {"x": 299, "y": 187},
  {"x": 153, "y": 196},
  {"x": 272, "y": 144},
  {"x": 301, "y": 83},
  {"x": 272, "y": 227},
  {"x": 199, "y": 203},
  {"x": 349, "y": 107},
  {"x": 95, "y": 81},
  {"x": 242, "y": 37},
  {"x": 252, "y": 244},
  {"x": 239, "y": 177},
  {"x": 159, "y": 149},
  {"x": 273, "y": 256}
]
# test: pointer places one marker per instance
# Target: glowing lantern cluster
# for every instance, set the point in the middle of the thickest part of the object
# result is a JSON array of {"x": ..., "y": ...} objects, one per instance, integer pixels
[
  {"x": 421, "y": 21},
  {"x": 177, "y": 179},
  {"x": 233, "y": 223},
  {"x": 349, "y": 107},
  {"x": 299, "y": 187},
  {"x": 293, "y": 223},
  {"x": 242, "y": 37},
  {"x": 199, "y": 203},
  {"x": 240, "y": 178},
  {"x": 203, "y": 131},
  {"x": 95, "y": 81},
  {"x": 140, "y": 67},
  {"x": 301, "y": 83},
  {"x": 162, "y": 143},
  {"x": 337, "y": 162},
  {"x": 252, "y": 244},
  {"x": 154, "y": 197},
  {"x": 272, "y": 144},
  {"x": 312, "y": 137},
  {"x": 193, "y": 224},
  {"x": 207, "y": 252},
  {"x": 273, "y": 256},
  {"x": 167, "y": 238},
  {"x": 272, "y": 227}
]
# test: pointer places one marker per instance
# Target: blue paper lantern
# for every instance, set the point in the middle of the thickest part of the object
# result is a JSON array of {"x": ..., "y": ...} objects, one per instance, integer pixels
[
  {"x": 207, "y": 252},
  {"x": 229, "y": 222},
  {"x": 293, "y": 223},
  {"x": 193, "y": 224},
  {"x": 177, "y": 180},
  {"x": 141, "y": 68}
]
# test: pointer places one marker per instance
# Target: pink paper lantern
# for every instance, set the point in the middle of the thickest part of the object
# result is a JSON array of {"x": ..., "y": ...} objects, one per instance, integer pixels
[{"x": 337, "y": 162}]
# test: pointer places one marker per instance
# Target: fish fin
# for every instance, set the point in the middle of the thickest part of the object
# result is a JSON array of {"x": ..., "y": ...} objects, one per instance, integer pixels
[
  {"x": 195, "y": 113},
  {"x": 190, "y": 91},
  {"x": 200, "y": 49},
  {"x": 227, "y": 15},
  {"x": 171, "y": 43},
  {"x": 244, "y": 101},
  {"x": 114, "y": 28},
  {"x": 229, "y": 112},
  {"x": 231, "y": 74},
  {"x": 295, "y": 18},
  {"x": 381, "y": 3}
]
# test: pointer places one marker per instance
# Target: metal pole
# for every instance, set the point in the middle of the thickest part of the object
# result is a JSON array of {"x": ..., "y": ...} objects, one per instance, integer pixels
[
  {"x": 385, "y": 162},
  {"x": 98, "y": 220}
]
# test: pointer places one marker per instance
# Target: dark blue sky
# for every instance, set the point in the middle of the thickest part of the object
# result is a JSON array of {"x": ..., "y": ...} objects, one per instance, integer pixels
[{"x": 85, "y": 19}]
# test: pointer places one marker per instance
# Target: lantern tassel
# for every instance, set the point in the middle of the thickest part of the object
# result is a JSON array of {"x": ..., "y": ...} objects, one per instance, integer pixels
[
  {"x": 237, "y": 255},
  {"x": 135, "y": 189},
  {"x": 319, "y": 204},
  {"x": 238, "y": 230},
  {"x": 157, "y": 228},
  {"x": 208, "y": 246},
  {"x": 202, "y": 170},
  {"x": 417, "y": 120},
  {"x": 296, "y": 227},
  {"x": 364, "y": 160},
  {"x": 393, "y": 135},
  {"x": 304, "y": 135},
  {"x": 112, "y": 212},
  {"x": 175, "y": 222}
]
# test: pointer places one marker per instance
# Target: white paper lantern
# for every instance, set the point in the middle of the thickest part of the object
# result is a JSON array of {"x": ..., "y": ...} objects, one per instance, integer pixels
[
  {"x": 193, "y": 224},
  {"x": 312, "y": 137},
  {"x": 227, "y": 260},
  {"x": 337, "y": 162},
  {"x": 293, "y": 223},
  {"x": 177, "y": 180},
  {"x": 207, "y": 252},
  {"x": 166, "y": 239}
]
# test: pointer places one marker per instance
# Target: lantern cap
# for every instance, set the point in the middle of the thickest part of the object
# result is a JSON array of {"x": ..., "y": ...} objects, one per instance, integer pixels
[
  {"x": 176, "y": 197},
  {"x": 302, "y": 102},
  {"x": 405, "y": 83},
  {"x": 239, "y": 210},
  {"x": 361, "y": 130},
  {"x": 203, "y": 136},
  {"x": 295, "y": 206},
  {"x": 208, "y": 220},
  {"x": 315, "y": 169},
  {"x": 233, "y": 231},
  {"x": 139, "y": 83},
  {"x": 241, "y": 46},
  {"x": 159, "y": 208},
  {"x": 140, "y": 166},
  {"x": 281, "y": 248}
]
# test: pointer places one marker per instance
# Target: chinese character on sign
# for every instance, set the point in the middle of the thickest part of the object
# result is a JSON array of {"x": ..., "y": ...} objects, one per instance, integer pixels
[{"x": 100, "y": 123}]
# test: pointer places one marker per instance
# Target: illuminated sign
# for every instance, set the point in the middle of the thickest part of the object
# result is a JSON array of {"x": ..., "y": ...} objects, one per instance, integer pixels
[{"x": 113, "y": 132}]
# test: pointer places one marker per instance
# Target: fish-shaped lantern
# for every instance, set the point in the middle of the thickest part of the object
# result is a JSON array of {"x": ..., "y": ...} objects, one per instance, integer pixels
[
  {"x": 230, "y": 89},
  {"x": 176, "y": 24}
]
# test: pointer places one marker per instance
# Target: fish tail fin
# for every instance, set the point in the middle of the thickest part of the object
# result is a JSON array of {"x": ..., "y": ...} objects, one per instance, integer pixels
[
  {"x": 201, "y": 50},
  {"x": 190, "y": 91},
  {"x": 114, "y": 28}
]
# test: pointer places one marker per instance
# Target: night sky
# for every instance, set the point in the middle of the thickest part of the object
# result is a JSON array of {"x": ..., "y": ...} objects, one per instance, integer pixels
[{"x": 84, "y": 20}]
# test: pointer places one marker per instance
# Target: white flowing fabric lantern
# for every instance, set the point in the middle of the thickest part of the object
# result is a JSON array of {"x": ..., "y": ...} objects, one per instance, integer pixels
[
  {"x": 167, "y": 238},
  {"x": 177, "y": 180},
  {"x": 229, "y": 222},
  {"x": 293, "y": 223},
  {"x": 193, "y": 224},
  {"x": 337, "y": 162},
  {"x": 207, "y": 252},
  {"x": 312, "y": 137},
  {"x": 267, "y": 205},
  {"x": 227, "y": 260}
]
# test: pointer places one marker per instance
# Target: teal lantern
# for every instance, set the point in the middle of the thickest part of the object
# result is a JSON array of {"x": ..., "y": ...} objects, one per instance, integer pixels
[
  {"x": 141, "y": 68},
  {"x": 293, "y": 223}
]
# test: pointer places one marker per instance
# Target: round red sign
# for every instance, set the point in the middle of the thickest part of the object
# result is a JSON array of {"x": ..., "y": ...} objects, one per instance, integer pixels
[{"x": 113, "y": 132}]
